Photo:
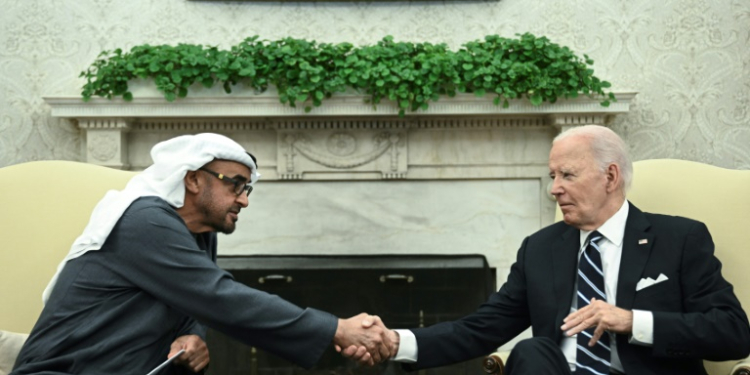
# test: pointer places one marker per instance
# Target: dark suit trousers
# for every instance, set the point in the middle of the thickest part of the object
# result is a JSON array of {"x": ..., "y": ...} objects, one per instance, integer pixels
[{"x": 538, "y": 356}]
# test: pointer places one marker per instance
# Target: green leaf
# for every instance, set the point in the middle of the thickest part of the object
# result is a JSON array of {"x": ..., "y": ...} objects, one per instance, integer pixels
[
  {"x": 176, "y": 77},
  {"x": 247, "y": 72},
  {"x": 127, "y": 96},
  {"x": 301, "y": 97},
  {"x": 536, "y": 99}
]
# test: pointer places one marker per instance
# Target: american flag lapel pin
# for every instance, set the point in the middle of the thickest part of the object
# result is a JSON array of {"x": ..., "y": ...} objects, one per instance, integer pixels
[{"x": 642, "y": 241}]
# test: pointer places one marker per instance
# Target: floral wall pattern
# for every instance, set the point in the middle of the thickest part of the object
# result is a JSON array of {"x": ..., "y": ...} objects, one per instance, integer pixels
[{"x": 689, "y": 60}]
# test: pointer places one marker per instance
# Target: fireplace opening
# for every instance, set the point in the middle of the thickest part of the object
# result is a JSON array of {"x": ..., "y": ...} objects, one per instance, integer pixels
[{"x": 406, "y": 291}]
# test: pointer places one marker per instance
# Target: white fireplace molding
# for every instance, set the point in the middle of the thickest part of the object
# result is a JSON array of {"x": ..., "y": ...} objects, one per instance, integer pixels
[
  {"x": 345, "y": 139},
  {"x": 216, "y": 104},
  {"x": 381, "y": 136}
]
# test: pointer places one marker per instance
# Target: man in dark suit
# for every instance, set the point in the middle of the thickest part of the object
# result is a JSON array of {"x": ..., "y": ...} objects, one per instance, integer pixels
[{"x": 609, "y": 290}]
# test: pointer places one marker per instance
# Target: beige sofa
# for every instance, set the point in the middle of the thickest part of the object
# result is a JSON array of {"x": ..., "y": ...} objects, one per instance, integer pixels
[
  {"x": 716, "y": 196},
  {"x": 44, "y": 206}
]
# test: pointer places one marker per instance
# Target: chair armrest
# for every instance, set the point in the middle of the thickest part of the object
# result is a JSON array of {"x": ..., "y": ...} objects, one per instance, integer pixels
[
  {"x": 494, "y": 364},
  {"x": 10, "y": 345},
  {"x": 741, "y": 368}
]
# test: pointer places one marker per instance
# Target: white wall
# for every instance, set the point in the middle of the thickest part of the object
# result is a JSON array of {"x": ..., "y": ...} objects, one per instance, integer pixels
[{"x": 688, "y": 59}]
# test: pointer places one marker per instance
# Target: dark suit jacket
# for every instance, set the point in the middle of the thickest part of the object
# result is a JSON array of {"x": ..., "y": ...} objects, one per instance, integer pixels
[{"x": 696, "y": 314}]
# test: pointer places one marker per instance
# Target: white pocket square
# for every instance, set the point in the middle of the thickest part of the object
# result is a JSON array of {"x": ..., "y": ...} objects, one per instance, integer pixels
[{"x": 647, "y": 282}]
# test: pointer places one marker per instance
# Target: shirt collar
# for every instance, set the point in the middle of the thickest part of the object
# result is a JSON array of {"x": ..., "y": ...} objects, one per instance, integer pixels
[{"x": 614, "y": 228}]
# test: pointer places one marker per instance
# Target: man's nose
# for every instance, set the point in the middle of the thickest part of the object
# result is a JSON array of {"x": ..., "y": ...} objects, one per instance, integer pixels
[
  {"x": 242, "y": 199},
  {"x": 556, "y": 188}
]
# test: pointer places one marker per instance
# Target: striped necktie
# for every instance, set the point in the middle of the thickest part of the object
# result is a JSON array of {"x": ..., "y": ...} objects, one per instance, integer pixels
[{"x": 595, "y": 359}]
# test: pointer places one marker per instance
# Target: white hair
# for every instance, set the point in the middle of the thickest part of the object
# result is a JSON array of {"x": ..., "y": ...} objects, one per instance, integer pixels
[{"x": 607, "y": 148}]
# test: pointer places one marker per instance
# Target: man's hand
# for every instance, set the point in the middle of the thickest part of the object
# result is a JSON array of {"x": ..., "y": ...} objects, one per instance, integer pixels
[
  {"x": 195, "y": 357},
  {"x": 364, "y": 339},
  {"x": 360, "y": 355},
  {"x": 603, "y": 316}
]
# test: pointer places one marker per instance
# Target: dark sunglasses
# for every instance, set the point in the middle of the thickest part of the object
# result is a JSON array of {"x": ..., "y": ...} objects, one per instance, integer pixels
[{"x": 239, "y": 186}]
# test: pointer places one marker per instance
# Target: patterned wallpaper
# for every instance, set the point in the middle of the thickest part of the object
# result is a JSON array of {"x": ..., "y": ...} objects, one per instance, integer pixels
[{"x": 688, "y": 59}]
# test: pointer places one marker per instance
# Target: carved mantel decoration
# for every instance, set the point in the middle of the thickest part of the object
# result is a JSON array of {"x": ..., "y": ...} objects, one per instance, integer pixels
[{"x": 460, "y": 138}]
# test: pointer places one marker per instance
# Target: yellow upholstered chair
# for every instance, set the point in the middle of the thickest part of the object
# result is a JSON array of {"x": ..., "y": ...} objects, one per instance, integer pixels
[
  {"x": 10, "y": 345},
  {"x": 716, "y": 196},
  {"x": 44, "y": 206}
]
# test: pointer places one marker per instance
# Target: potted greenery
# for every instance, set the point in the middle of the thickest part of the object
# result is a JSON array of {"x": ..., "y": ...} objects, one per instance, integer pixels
[{"x": 410, "y": 74}]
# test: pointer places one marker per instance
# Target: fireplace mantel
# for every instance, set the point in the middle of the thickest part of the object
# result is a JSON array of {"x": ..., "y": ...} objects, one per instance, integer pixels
[
  {"x": 460, "y": 139},
  {"x": 107, "y": 125},
  {"x": 213, "y": 103}
]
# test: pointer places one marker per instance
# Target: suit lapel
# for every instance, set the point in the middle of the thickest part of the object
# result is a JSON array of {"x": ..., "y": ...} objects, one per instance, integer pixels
[
  {"x": 636, "y": 248},
  {"x": 565, "y": 257}
]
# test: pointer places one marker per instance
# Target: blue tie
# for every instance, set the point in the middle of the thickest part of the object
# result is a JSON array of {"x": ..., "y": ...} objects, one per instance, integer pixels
[{"x": 591, "y": 360}]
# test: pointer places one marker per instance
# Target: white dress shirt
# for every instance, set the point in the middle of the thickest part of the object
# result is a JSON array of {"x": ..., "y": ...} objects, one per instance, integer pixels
[{"x": 613, "y": 231}]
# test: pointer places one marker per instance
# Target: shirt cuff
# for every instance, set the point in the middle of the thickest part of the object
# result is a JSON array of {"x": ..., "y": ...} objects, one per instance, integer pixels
[
  {"x": 407, "y": 346},
  {"x": 643, "y": 328}
]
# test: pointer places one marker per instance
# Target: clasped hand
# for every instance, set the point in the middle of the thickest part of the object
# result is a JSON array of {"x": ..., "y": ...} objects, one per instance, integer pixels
[
  {"x": 365, "y": 339},
  {"x": 599, "y": 314}
]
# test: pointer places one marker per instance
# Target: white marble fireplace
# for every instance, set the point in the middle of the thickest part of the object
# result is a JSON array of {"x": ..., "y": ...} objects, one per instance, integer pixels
[{"x": 464, "y": 177}]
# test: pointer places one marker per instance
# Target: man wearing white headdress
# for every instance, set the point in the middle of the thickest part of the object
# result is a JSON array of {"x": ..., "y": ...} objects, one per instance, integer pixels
[{"x": 141, "y": 281}]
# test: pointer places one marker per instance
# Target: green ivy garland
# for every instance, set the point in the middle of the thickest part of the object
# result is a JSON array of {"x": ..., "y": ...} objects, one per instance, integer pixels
[{"x": 410, "y": 74}]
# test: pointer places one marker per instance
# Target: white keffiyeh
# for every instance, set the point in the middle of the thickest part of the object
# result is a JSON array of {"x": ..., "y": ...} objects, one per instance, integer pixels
[{"x": 165, "y": 179}]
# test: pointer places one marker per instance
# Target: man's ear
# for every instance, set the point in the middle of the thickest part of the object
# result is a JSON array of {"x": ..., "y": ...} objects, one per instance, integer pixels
[
  {"x": 613, "y": 177},
  {"x": 192, "y": 183}
]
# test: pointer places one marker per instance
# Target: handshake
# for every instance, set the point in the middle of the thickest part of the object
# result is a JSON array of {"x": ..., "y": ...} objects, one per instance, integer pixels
[{"x": 365, "y": 339}]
